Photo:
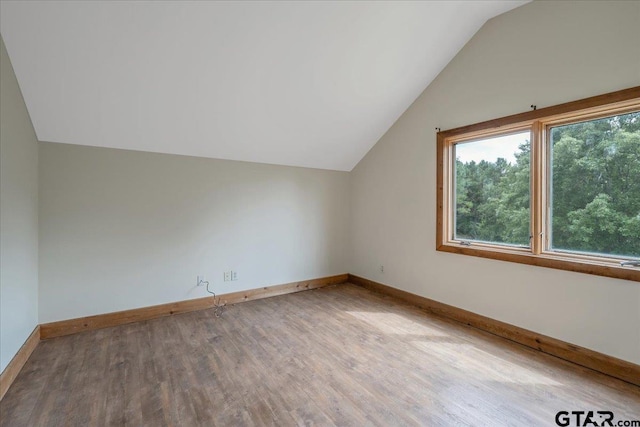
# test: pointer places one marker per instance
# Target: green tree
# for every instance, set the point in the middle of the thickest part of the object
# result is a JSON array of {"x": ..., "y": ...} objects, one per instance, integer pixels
[
  {"x": 492, "y": 200},
  {"x": 596, "y": 186}
]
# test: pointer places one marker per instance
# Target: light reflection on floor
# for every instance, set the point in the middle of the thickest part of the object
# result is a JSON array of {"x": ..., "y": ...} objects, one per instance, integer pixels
[
  {"x": 391, "y": 323},
  {"x": 481, "y": 365},
  {"x": 468, "y": 359}
]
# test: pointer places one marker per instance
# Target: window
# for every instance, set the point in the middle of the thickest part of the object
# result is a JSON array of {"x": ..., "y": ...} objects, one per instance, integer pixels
[
  {"x": 492, "y": 194},
  {"x": 556, "y": 187}
]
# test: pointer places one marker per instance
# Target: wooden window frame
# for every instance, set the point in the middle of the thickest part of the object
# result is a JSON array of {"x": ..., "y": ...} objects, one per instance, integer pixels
[{"x": 539, "y": 121}]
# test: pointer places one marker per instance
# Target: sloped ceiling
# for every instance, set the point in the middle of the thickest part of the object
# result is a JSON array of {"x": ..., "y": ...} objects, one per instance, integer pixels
[{"x": 312, "y": 84}]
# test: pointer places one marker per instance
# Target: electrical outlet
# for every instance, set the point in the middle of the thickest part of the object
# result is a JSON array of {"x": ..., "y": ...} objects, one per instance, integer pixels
[
  {"x": 381, "y": 268},
  {"x": 200, "y": 281},
  {"x": 234, "y": 275},
  {"x": 227, "y": 276}
]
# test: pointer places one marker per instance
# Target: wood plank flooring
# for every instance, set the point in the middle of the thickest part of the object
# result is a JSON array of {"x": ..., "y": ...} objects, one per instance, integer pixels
[{"x": 340, "y": 355}]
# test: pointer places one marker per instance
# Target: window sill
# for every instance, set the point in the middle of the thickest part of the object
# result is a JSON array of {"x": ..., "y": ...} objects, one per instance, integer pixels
[{"x": 577, "y": 263}]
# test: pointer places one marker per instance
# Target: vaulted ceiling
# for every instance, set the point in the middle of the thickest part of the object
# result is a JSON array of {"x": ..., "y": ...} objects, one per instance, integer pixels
[{"x": 312, "y": 84}]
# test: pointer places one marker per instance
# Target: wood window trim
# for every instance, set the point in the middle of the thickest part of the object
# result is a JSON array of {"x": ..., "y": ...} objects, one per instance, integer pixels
[{"x": 538, "y": 120}]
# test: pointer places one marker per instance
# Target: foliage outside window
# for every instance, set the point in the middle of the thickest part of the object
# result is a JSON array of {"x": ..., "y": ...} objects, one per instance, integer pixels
[
  {"x": 595, "y": 186},
  {"x": 556, "y": 187},
  {"x": 492, "y": 194}
]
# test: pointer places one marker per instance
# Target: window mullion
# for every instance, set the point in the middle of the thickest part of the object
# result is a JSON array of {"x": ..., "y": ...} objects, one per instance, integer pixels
[{"x": 537, "y": 187}]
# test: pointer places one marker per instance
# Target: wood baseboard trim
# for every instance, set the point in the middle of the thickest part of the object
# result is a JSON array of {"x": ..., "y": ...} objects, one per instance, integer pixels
[
  {"x": 15, "y": 366},
  {"x": 107, "y": 320},
  {"x": 591, "y": 359}
]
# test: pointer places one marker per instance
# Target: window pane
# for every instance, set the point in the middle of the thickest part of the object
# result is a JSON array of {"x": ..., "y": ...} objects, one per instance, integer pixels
[
  {"x": 492, "y": 189},
  {"x": 595, "y": 186}
]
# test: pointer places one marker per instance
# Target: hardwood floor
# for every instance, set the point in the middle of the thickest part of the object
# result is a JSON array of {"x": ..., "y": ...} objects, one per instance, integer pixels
[{"x": 339, "y": 355}]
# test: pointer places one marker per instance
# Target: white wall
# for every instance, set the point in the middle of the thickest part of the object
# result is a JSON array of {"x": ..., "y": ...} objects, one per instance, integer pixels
[
  {"x": 18, "y": 217},
  {"x": 543, "y": 53},
  {"x": 123, "y": 229}
]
